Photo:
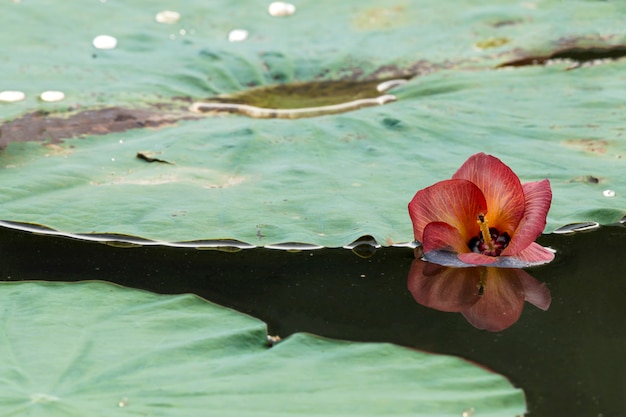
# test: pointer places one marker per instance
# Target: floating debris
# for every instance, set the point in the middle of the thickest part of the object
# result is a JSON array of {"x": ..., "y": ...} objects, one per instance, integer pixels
[
  {"x": 104, "y": 42},
  {"x": 12, "y": 96},
  {"x": 52, "y": 96},
  {"x": 280, "y": 9},
  {"x": 167, "y": 17},
  {"x": 151, "y": 157},
  {"x": 272, "y": 340},
  {"x": 238, "y": 35},
  {"x": 608, "y": 193}
]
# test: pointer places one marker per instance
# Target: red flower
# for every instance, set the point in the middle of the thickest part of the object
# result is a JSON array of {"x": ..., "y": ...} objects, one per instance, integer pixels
[{"x": 484, "y": 215}]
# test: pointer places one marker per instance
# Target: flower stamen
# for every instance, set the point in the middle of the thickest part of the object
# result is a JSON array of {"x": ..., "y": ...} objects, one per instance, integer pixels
[
  {"x": 484, "y": 231},
  {"x": 489, "y": 240}
]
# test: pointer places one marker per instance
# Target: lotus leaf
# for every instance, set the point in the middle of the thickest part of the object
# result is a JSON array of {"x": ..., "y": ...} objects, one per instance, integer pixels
[
  {"x": 93, "y": 348},
  {"x": 325, "y": 180}
]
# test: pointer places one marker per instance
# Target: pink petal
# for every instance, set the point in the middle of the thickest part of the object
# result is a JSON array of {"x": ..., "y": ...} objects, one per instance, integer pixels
[
  {"x": 442, "y": 236},
  {"x": 443, "y": 288},
  {"x": 534, "y": 254},
  {"x": 535, "y": 292},
  {"x": 455, "y": 202},
  {"x": 474, "y": 258},
  {"x": 538, "y": 197},
  {"x": 428, "y": 269},
  {"x": 502, "y": 189},
  {"x": 502, "y": 301}
]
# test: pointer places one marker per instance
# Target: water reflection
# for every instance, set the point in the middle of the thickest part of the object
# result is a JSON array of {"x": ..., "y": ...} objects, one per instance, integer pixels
[{"x": 489, "y": 298}]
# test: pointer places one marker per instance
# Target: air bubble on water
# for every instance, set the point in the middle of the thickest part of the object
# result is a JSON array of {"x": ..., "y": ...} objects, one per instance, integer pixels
[
  {"x": 237, "y": 35},
  {"x": 12, "y": 96},
  {"x": 52, "y": 96},
  {"x": 608, "y": 193},
  {"x": 104, "y": 42},
  {"x": 279, "y": 8},
  {"x": 122, "y": 402},
  {"x": 167, "y": 17},
  {"x": 182, "y": 32}
]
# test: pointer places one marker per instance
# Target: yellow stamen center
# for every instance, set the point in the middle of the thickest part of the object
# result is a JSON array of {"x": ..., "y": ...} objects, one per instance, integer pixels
[{"x": 484, "y": 231}]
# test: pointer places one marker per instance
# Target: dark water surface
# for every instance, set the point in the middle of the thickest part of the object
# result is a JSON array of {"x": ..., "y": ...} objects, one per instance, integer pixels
[{"x": 570, "y": 359}]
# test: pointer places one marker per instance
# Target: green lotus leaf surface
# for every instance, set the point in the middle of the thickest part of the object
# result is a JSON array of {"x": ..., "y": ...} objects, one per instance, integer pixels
[
  {"x": 124, "y": 154},
  {"x": 97, "y": 349}
]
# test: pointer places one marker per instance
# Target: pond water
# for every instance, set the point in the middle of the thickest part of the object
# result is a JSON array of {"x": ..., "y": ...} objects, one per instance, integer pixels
[{"x": 568, "y": 359}]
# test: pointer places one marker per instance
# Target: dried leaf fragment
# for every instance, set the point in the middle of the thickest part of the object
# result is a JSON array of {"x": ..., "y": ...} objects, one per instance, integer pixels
[{"x": 149, "y": 156}]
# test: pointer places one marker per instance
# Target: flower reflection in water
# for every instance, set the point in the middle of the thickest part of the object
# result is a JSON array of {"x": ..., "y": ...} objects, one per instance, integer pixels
[{"x": 489, "y": 298}]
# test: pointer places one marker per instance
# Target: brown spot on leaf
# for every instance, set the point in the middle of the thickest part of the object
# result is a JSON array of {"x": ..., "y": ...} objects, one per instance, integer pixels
[
  {"x": 57, "y": 150},
  {"x": 588, "y": 179},
  {"x": 595, "y": 146},
  {"x": 492, "y": 43},
  {"x": 53, "y": 128},
  {"x": 509, "y": 22}
]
